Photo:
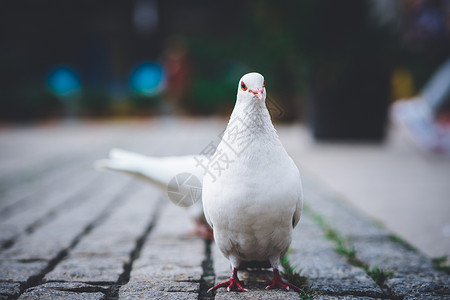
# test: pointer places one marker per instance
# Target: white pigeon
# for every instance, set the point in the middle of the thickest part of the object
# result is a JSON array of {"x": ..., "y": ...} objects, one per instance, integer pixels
[
  {"x": 164, "y": 172},
  {"x": 252, "y": 194}
]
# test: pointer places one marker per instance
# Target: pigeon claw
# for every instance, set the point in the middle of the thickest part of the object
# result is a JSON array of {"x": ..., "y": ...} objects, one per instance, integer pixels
[
  {"x": 278, "y": 282},
  {"x": 231, "y": 284}
]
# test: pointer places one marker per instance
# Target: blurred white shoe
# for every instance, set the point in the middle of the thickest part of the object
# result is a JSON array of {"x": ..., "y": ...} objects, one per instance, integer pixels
[{"x": 416, "y": 117}]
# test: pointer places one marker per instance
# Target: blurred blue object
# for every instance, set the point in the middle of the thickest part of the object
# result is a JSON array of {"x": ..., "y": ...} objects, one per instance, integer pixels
[
  {"x": 148, "y": 79},
  {"x": 64, "y": 82}
]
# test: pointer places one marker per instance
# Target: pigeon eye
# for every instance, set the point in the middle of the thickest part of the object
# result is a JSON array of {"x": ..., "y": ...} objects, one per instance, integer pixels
[
  {"x": 243, "y": 86},
  {"x": 264, "y": 84}
]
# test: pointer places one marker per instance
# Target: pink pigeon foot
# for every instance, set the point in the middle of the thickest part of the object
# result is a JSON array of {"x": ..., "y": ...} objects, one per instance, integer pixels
[
  {"x": 278, "y": 282},
  {"x": 232, "y": 283}
]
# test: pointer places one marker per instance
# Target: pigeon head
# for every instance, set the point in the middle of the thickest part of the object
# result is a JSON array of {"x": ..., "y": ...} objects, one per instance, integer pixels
[{"x": 252, "y": 86}]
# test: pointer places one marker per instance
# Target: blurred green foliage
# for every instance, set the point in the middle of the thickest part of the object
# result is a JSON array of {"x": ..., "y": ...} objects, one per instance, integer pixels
[
  {"x": 28, "y": 103},
  {"x": 267, "y": 39},
  {"x": 285, "y": 40},
  {"x": 143, "y": 104},
  {"x": 95, "y": 102}
]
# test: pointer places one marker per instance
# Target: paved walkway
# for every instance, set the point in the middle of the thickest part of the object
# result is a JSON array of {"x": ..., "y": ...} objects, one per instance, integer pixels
[
  {"x": 406, "y": 189},
  {"x": 70, "y": 232}
]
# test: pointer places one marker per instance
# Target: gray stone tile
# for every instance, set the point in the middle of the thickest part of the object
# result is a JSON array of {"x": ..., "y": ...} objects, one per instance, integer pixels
[
  {"x": 169, "y": 262},
  {"x": 413, "y": 284},
  {"x": 341, "y": 215},
  {"x": 413, "y": 272},
  {"x": 44, "y": 293},
  {"x": 349, "y": 286},
  {"x": 88, "y": 269},
  {"x": 101, "y": 255},
  {"x": 77, "y": 287},
  {"x": 46, "y": 202},
  {"x": 329, "y": 272},
  {"x": 152, "y": 294},
  {"x": 348, "y": 297},
  {"x": 420, "y": 296},
  {"x": 222, "y": 294},
  {"x": 46, "y": 242},
  {"x": 388, "y": 255},
  {"x": 9, "y": 288},
  {"x": 160, "y": 284},
  {"x": 20, "y": 271},
  {"x": 168, "y": 270}
]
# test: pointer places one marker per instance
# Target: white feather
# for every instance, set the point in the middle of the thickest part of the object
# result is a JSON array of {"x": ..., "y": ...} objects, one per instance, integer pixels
[{"x": 158, "y": 170}]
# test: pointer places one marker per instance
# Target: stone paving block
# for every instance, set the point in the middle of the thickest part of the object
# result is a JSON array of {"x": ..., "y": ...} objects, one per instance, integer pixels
[
  {"x": 170, "y": 270},
  {"x": 88, "y": 269},
  {"x": 412, "y": 270},
  {"x": 413, "y": 273},
  {"x": 9, "y": 289},
  {"x": 329, "y": 272},
  {"x": 101, "y": 255},
  {"x": 186, "y": 251},
  {"x": 257, "y": 294},
  {"x": 18, "y": 271},
  {"x": 77, "y": 287},
  {"x": 180, "y": 221},
  {"x": 170, "y": 258},
  {"x": 138, "y": 293},
  {"x": 126, "y": 224},
  {"x": 388, "y": 255},
  {"x": 37, "y": 172},
  {"x": 169, "y": 262},
  {"x": 342, "y": 216},
  {"x": 23, "y": 193},
  {"x": 32, "y": 253},
  {"x": 8, "y": 232},
  {"x": 44, "y": 293},
  {"x": 324, "y": 297},
  {"x": 348, "y": 286},
  {"x": 45, "y": 203},
  {"x": 46, "y": 242},
  {"x": 414, "y": 284},
  {"x": 161, "y": 285},
  {"x": 421, "y": 296}
]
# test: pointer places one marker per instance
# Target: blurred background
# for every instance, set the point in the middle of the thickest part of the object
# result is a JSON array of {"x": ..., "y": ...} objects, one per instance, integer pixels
[{"x": 335, "y": 67}]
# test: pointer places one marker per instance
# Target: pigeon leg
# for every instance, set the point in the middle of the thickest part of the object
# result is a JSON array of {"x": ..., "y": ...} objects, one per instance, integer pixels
[
  {"x": 233, "y": 282},
  {"x": 278, "y": 282},
  {"x": 202, "y": 230}
]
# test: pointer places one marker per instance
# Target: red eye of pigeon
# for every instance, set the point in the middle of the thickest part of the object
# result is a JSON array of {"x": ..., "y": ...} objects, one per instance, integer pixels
[
  {"x": 243, "y": 86},
  {"x": 264, "y": 84}
]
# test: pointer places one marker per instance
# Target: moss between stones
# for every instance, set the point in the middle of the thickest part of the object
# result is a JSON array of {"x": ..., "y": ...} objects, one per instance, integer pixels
[
  {"x": 294, "y": 277},
  {"x": 343, "y": 247},
  {"x": 439, "y": 263}
]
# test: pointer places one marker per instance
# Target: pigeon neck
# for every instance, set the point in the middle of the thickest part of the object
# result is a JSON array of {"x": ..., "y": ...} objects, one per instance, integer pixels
[
  {"x": 253, "y": 118},
  {"x": 250, "y": 134}
]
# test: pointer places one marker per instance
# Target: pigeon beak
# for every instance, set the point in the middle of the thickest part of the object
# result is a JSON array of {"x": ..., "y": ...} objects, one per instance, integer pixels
[{"x": 258, "y": 92}]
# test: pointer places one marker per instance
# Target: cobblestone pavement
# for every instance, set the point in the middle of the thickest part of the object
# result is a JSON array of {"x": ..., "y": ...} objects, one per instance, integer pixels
[{"x": 68, "y": 231}]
